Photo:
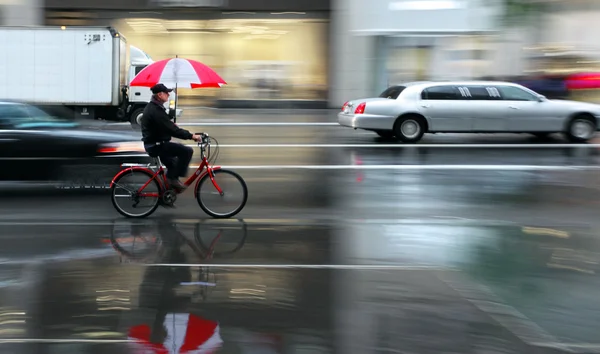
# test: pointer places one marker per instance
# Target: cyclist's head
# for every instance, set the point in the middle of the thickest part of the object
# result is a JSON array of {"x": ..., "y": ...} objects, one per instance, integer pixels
[{"x": 160, "y": 92}]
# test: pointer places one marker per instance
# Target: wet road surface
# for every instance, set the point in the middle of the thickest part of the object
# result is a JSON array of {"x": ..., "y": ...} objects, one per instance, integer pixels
[{"x": 336, "y": 257}]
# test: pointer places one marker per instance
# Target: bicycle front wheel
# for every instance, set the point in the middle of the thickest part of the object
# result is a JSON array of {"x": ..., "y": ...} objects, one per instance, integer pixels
[
  {"x": 230, "y": 202},
  {"x": 125, "y": 196}
]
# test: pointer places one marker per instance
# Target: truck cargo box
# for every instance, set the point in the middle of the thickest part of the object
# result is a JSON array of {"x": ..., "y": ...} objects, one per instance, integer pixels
[{"x": 70, "y": 66}]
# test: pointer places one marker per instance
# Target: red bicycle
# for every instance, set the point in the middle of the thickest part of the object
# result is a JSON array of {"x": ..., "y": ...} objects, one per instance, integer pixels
[{"x": 154, "y": 186}]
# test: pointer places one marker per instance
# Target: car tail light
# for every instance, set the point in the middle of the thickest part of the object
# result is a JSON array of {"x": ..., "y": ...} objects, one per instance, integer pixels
[
  {"x": 127, "y": 146},
  {"x": 360, "y": 109},
  {"x": 344, "y": 106}
]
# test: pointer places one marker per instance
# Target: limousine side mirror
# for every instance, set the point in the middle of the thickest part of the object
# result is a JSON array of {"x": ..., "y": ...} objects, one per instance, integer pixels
[{"x": 542, "y": 98}]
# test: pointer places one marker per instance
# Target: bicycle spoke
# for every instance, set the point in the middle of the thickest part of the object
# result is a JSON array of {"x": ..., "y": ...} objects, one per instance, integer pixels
[{"x": 130, "y": 191}]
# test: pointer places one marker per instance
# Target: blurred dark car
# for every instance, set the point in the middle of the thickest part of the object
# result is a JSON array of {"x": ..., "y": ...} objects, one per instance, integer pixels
[
  {"x": 38, "y": 147},
  {"x": 553, "y": 87}
]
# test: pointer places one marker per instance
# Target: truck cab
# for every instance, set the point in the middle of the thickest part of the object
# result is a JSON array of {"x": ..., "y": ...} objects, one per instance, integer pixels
[{"x": 140, "y": 96}]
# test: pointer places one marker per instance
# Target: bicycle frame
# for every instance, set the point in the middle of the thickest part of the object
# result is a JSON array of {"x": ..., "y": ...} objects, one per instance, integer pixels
[{"x": 162, "y": 180}]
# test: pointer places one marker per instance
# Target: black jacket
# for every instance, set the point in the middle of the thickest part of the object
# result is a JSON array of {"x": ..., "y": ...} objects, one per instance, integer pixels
[{"x": 156, "y": 125}]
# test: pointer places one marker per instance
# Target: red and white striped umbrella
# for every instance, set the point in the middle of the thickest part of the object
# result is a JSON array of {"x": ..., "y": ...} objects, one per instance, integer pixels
[{"x": 178, "y": 72}]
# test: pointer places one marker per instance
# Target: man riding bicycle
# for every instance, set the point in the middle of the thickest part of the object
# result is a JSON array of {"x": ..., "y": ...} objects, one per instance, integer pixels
[{"x": 157, "y": 130}]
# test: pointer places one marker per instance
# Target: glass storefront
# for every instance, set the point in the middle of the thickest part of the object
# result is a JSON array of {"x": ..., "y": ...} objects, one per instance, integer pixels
[
  {"x": 259, "y": 58},
  {"x": 436, "y": 58}
]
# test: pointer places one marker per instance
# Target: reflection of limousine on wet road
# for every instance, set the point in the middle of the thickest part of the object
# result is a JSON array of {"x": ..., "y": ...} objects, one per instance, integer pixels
[{"x": 408, "y": 111}]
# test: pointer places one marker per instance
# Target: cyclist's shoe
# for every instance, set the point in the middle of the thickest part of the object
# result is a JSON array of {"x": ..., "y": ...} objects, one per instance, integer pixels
[{"x": 176, "y": 184}]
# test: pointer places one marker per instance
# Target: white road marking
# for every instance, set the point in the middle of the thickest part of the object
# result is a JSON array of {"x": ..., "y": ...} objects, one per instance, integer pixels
[
  {"x": 300, "y": 222},
  {"x": 404, "y": 146},
  {"x": 197, "y": 283},
  {"x": 414, "y": 167},
  {"x": 368, "y": 146},
  {"x": 247, "y": 124},
  {"x": 400, "y": 167},
  {"x": 304, "y": 266},
  {"x": 195, "y": 108}
]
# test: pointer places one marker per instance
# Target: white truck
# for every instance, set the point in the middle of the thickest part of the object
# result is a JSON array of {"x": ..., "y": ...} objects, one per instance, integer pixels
[{"x": 85, "y": 69}]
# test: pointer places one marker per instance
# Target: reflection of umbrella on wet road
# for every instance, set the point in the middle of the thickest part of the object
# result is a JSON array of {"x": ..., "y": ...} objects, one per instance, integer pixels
[{"x": 186, "y": 333}]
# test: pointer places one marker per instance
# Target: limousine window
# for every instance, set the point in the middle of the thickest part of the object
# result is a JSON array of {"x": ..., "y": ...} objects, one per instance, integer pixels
[
  {"x": 511, "y": 93},
  {"x": 392, "y": 92},
  {"x": 445, "y": 92}
]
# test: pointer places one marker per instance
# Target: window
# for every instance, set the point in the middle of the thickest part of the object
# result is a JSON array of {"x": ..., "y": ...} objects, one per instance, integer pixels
[
  {"x": 440, "y": 93},
  {"x": 512, "y": 93},
  {"x": 12, "y": 114},
  {"x": 392, "y": 92},
  {"x": 36, "y": 113},
  {"x": 482, "y": 93},
  {"x": 139, "y": 68},
  {"x": 21, "y": 116}
]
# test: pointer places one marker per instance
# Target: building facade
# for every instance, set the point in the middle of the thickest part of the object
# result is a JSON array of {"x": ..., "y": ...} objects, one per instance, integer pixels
[
  {"x": 271, "y": 53},
  {"x": 566, "y": 37},
  {"x": 377, "y": 43},
  {"x": 21, "y": 12},
  {"x": 319, "y": 53}
]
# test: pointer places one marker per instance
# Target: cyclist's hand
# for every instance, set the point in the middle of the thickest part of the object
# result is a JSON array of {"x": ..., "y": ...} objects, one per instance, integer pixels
[{"x": 197, "y": 137}]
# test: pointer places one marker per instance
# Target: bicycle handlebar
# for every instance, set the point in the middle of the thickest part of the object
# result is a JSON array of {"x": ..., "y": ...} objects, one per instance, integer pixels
[
  {"x": 204, "y": 145},
  {"x": 205, "y": 138}
]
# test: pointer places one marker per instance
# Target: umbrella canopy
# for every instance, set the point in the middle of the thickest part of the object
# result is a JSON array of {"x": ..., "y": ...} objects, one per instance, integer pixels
[
  {"x": 178, "y": 72},
  {"x": 189, "y": 334}
]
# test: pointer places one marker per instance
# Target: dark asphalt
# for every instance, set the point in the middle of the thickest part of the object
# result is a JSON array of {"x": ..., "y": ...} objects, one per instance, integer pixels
[{"x": 397, "y": 258}]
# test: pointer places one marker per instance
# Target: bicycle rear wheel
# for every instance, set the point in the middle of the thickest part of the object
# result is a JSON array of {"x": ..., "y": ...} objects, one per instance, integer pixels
[
  {"x": 124, "y": 194},
  {"x": 231, "y": 184}
]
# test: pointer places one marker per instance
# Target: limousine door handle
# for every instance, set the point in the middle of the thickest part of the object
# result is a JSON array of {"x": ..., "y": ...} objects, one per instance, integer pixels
[{"x": 513, "y": 107}]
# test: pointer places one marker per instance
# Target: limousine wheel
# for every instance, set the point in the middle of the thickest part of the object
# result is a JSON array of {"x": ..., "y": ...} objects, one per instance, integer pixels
[
  {"x": 581, "y": 128},
  {"x": 409, "y": 129}
]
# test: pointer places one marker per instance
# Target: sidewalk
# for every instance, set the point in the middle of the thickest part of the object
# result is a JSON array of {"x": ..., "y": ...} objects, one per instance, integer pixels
[
  {"x": 253, "y": 103},
  {"x": 205, "y": 114}
]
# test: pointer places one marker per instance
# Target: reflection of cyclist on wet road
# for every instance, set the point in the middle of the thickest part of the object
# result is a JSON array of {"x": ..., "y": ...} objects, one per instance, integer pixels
[
  {"x": 157, "y": 291},
  {"x": 139, "y": 243},
  {"x": 164, "y": 324}
]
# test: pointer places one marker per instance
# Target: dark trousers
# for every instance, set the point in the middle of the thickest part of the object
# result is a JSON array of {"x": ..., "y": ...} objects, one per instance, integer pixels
[{"x": 176, "y": 157}]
